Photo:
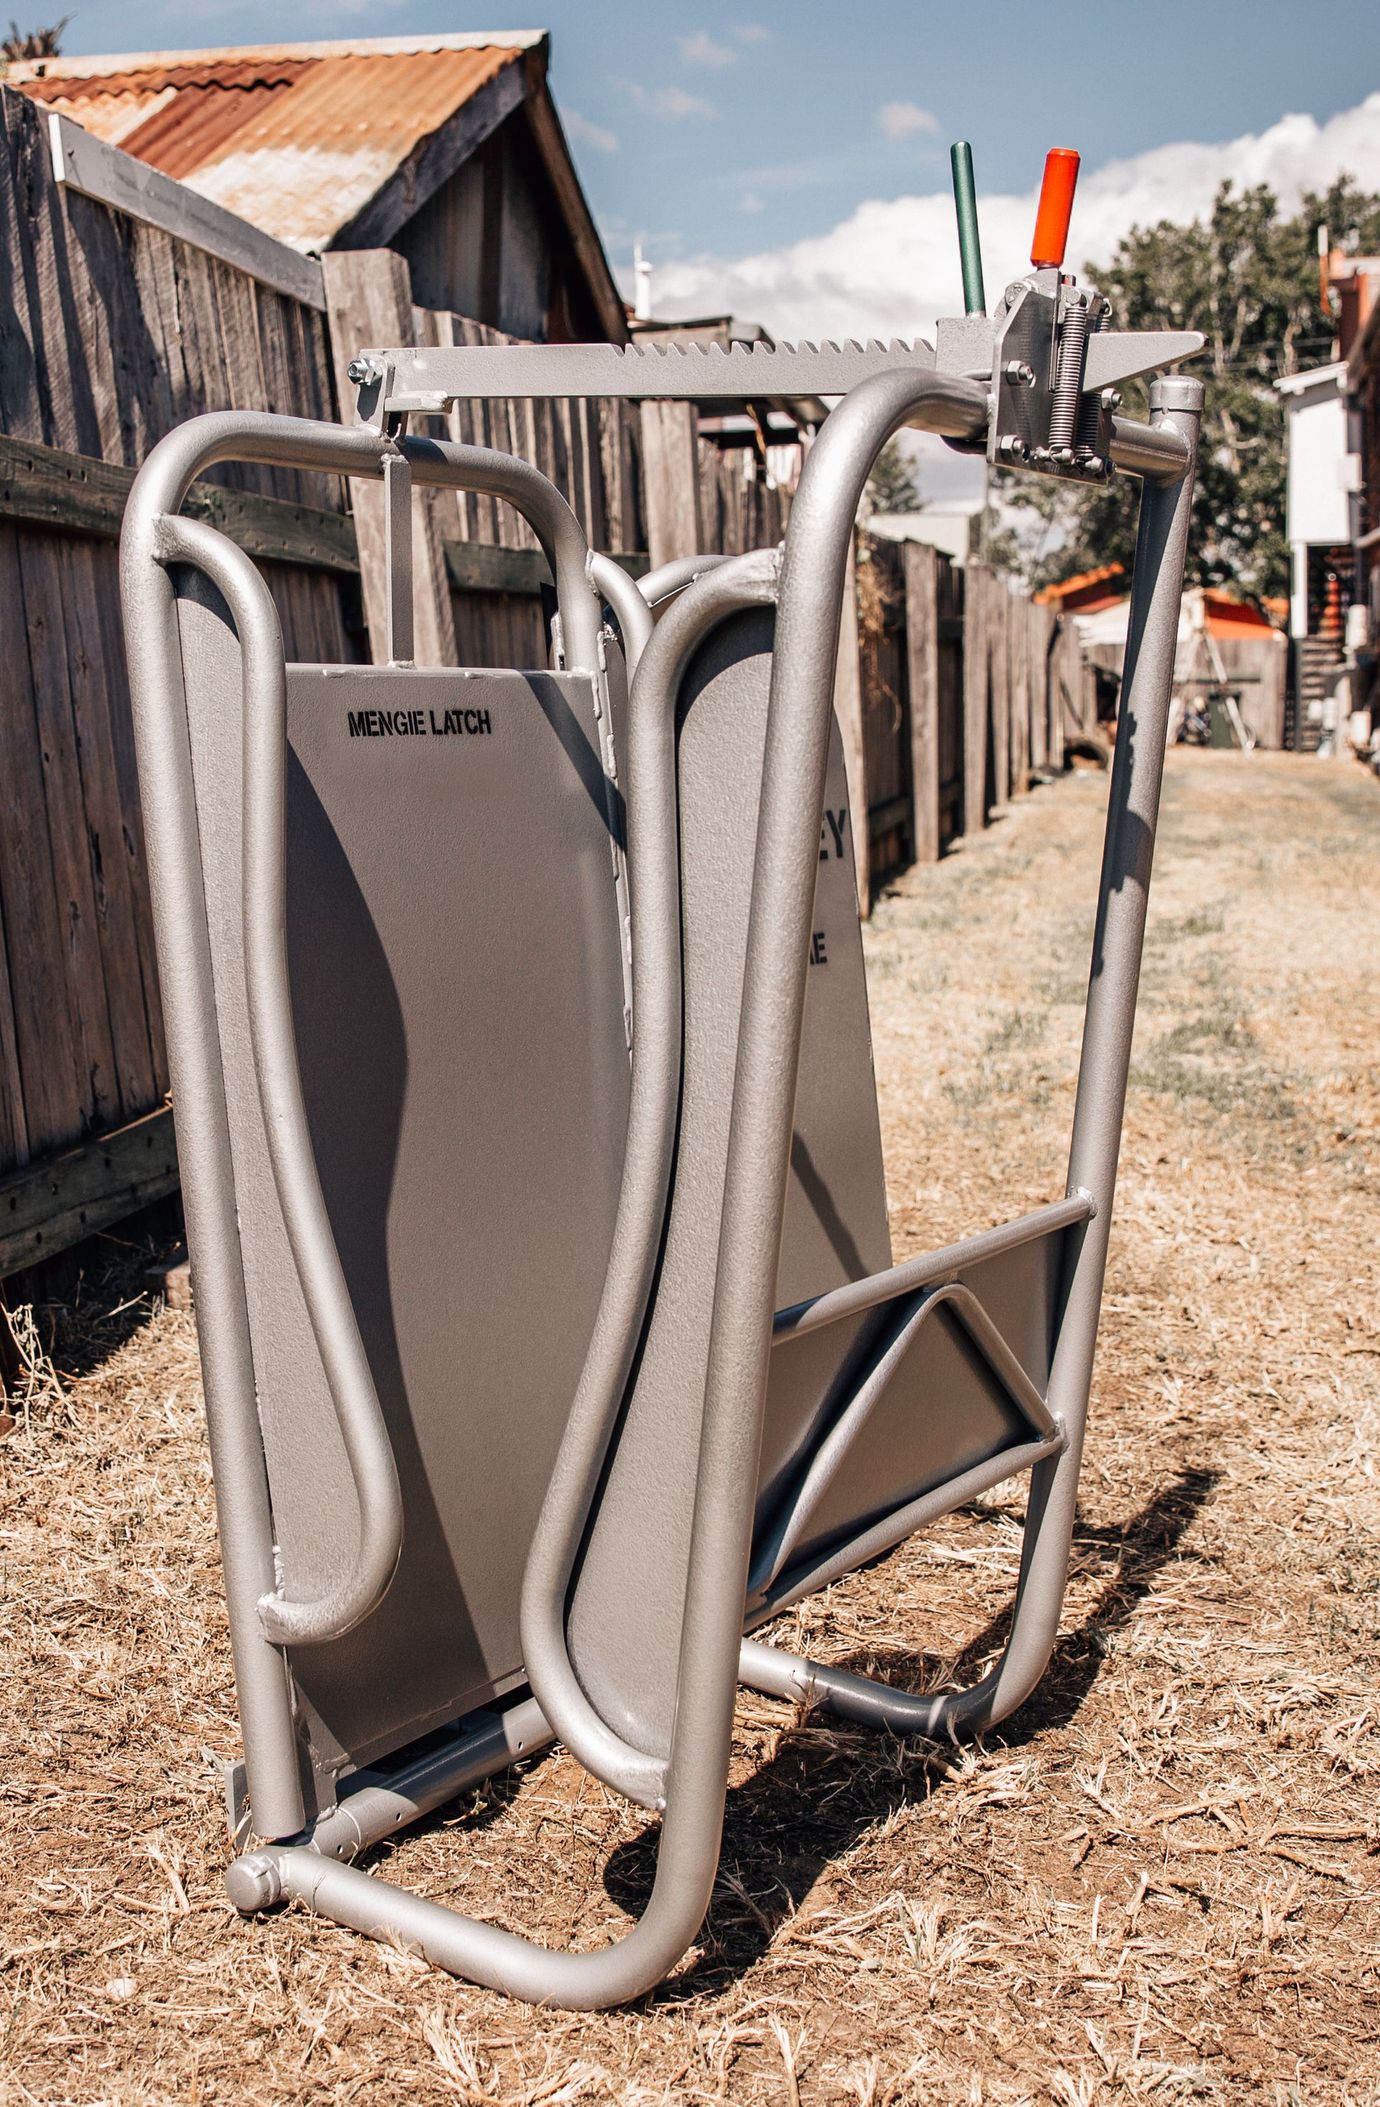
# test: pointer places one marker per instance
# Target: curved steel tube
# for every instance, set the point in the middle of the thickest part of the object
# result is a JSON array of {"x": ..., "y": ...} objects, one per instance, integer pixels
[
  {"x": 1176, "y": 406},
  {"x": 359, "y": 1416},
  {"x": 799, "y": 716},
  {"x": 154, "y": 529},
  {"x": 780, "y": 1543},
  {"x": 668, "y": 578},
  {"x": 358, "y": 450},
  {"x": 1156, "y": 451},
  {"x": 630, "y": 610},
  {"x": 649, "y": 1154}
]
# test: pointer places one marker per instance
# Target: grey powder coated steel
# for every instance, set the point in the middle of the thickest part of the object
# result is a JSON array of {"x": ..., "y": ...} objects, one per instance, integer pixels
[
  {"x": 346, "y": 922},
  {"x": 429, "y": 377}
]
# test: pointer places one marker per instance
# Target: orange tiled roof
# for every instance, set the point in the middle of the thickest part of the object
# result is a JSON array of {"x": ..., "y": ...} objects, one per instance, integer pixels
[{"x": 1081, "y": 589}]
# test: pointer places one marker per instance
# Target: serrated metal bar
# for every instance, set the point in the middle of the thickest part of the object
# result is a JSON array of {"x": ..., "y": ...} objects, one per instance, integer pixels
[
  {"x": 423, "y": 378},
  {"x": 426, "y": 378}
]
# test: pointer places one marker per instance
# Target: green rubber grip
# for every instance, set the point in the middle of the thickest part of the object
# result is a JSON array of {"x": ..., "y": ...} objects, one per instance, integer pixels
[{"x": 969, "y": 247}]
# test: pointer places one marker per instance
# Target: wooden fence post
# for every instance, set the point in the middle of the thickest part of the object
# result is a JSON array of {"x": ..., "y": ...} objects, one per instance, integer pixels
[
  {"x": 975, "y": 583},
  {"x": 1039, "y": 624},
  {"x": 1019, "y": 638},
  {"x": 1065, "y": 700},
  {"x": 848, "y": 710},
  {"x": 998, "y": 627},
  {"x": 671, "y": 480},
  {"x": 369, "y": 301},
  {"x": 922, "y": 669}
]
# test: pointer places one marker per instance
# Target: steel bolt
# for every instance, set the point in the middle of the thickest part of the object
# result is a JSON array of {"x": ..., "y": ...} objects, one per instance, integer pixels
[
  {"x": 1019, "y": 373},
  {"x": 1010, "y": 448},
  {"x": 1110, "y": 398},
  {"x": 362, "y": 370}
]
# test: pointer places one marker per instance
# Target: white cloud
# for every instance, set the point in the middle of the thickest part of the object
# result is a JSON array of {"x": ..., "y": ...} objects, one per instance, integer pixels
[
  {"x": 666, "y": 102},
  {"x": 892, "y": 266},
  {"x": 901, "y": 120},
  {"x": 752, "y": 33},
  {"x": 703, "y": 50},
  {"x": 586, "y": 134},
  {"x": 750, "y": 202}
]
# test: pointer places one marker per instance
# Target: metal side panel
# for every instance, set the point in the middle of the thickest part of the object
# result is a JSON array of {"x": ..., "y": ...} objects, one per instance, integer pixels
[
  {"x": 941, "y": 1409},
  {"x": 459, "y": 1005},
  {"x": 627, "y": 1601}
]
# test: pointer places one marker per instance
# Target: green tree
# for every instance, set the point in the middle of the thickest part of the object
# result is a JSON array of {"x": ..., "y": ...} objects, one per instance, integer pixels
[
  {"x": 33, "y": 43},
  {"x": 1248, "y": 279},
  {"x": 892, "y": 485}
]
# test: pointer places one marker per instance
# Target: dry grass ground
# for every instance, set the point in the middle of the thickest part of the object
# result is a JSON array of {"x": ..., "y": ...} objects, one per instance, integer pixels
[{"x": 1158, "y": 1883}]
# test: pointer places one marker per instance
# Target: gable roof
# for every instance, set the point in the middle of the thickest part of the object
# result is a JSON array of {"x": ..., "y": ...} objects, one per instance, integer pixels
[{"x": 326, "y": 145}]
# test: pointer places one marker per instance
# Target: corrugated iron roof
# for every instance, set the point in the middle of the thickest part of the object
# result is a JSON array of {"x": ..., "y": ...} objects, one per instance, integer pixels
[{"x": 297, "y": 138}]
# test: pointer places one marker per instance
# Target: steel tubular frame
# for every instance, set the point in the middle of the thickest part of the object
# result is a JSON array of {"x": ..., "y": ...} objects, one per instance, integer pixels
[{"x": 806, "y": 583}]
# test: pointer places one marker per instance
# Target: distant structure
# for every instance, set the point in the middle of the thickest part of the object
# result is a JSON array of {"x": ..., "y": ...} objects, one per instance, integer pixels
[
  {"x": 447, "y": 149},
  {"x": 1332, "y": 421}
]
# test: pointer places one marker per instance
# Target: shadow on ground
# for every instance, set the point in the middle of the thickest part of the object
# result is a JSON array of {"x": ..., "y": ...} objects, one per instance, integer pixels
[{"x": 821, "y": 1792}]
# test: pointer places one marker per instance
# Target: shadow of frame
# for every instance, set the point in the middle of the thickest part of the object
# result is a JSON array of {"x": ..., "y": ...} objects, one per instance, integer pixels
[{"x": 815, "y": 1798}]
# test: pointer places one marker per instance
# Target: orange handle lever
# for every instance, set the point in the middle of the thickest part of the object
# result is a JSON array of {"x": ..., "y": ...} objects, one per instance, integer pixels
[{"x": 1055, "y": 209}]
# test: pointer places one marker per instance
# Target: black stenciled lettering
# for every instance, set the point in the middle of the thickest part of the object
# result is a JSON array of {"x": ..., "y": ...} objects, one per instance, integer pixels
[
  {"x": 837, "y": 821},
  {"x": 819, "y": 951}
]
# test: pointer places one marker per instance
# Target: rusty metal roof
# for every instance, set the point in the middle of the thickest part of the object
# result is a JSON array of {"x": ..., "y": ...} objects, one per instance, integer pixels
[{"x": 297, "y": 138}]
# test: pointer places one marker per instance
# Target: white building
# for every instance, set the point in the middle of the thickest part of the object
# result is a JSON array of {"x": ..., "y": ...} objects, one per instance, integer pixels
[
  {"x": 951, "y": 528},
  {"x": 1324, "y": 466}
]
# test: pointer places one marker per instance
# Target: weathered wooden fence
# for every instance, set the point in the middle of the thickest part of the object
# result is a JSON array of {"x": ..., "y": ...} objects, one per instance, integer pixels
[
  {"x": 968, "y": 689},
  {"x": 112, "y": 331}
]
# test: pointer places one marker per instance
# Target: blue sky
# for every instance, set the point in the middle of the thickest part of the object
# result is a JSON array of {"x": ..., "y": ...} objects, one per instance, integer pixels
[{"x": 727, "y": 129}]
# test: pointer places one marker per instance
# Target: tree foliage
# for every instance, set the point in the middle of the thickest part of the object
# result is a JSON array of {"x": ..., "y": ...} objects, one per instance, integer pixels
[
  {"x": 33, "y": 43},
  {"x": 1248, "y": 279},
  {"x": 892, "y": 485}
]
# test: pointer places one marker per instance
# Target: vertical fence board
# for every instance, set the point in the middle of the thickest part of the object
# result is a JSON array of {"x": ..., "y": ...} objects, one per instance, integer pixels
[
  {"x": 1037, "y": 657},
  {"x": 999, "y": 687},
  {"x": 53, "y": 1109},
  {"x": 922, "y": 665},
  {"x": 369, "y": 300},
  {"x": 101, "y": 810},
  {"x": 974, "y": 699},
  {"x": 1018, "y": 664},
  {"x": 88, "y": 1008},
  {"x": 671, "y": 481}
]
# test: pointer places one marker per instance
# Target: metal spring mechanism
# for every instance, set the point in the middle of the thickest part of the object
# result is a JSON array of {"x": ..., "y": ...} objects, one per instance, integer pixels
[{"x": 1073, "y": 339}]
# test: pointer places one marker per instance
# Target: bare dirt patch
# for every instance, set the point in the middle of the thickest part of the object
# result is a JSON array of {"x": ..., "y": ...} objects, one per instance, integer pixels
[{"x": 1159, "y": 1882}]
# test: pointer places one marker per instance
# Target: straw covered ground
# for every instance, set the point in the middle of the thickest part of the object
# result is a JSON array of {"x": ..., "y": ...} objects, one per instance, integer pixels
[{"x": 1159, "y": 1882}]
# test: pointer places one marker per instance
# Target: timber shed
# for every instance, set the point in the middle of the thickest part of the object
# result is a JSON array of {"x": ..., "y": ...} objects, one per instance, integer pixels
[{"x": 446, "y": 149}]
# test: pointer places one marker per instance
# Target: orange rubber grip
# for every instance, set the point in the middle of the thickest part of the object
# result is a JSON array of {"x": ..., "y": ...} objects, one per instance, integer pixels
[{"x": 1056, "y": 207}]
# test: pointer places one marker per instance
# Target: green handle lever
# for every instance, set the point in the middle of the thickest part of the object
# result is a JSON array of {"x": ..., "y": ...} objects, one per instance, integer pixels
[{"x": 969, "y": 248}]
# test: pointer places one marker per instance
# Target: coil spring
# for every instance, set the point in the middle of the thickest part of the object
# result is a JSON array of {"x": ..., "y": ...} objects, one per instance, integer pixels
[{"x": 1073, "y": 338}]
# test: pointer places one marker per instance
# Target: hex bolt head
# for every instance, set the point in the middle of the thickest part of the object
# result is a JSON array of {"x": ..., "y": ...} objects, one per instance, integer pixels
[
  {"x": 362, "y": 370},
  {"x": 1019, "y": 373},
  {"x": 1010, "y": 448},
  {"x": 1110, "y": 398}
]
